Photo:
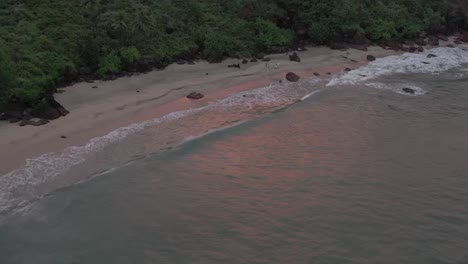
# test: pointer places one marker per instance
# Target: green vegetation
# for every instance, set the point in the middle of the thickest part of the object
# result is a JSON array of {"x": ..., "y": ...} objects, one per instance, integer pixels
[{"x": 50, "y": 42}]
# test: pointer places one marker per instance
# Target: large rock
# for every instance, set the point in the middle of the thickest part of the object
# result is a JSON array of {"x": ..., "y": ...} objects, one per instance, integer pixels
[
  {"x": 294, "y": 57},
  {"x": 292, "y": 77},
  {"x": 48, "y": 108},
  {"x": 409, "y": 90},
  {"x": 195, "y": 96},
  {"x": 370, "y": 58}
]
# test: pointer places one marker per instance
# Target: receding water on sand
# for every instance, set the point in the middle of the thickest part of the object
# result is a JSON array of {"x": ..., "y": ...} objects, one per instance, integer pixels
[{"x": 352, "y": 174}]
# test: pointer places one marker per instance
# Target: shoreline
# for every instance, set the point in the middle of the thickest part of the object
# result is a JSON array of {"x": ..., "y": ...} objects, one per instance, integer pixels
[{"x": 95, "y": 112}]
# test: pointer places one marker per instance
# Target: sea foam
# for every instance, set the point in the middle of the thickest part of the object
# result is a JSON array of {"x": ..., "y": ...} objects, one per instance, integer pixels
[{"x": 446, "y": 58}]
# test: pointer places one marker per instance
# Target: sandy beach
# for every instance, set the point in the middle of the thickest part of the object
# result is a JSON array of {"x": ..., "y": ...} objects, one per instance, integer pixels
[{"x": 97, "y": 111}]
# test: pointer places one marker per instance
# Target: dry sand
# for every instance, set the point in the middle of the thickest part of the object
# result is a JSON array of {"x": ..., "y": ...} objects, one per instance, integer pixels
[{"x": 97, "y": 111}]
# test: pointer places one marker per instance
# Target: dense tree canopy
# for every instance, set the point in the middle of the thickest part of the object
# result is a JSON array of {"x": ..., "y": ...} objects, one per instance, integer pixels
[{"x": 49, "y": 42}]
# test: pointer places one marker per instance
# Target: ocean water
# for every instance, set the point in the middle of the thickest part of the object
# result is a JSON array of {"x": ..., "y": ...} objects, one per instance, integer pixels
[{"x": 343, "y": 170}]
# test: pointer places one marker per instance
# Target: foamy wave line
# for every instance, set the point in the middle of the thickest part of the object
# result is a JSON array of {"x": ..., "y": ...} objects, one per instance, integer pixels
[
  {"x": 446, "y": 58},
  {"x": 21, "y": 186}
]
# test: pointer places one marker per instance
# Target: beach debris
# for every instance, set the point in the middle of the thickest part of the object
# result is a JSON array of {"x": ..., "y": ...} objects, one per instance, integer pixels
[
  {"x": 245, "y": 61},
  {"x": 234, "y": 66},
  {"x": 370, "y": 58},
  {"x": 39, "y": 122},
  {"x": 408, "y": 90},
  {"x": 294, "y": 57},
  {"x": 195, "y": 96},
  {"x": 431, "y": 56},
  {"x": 316, "y": 74},
  {"x": 292, "y": 77}
]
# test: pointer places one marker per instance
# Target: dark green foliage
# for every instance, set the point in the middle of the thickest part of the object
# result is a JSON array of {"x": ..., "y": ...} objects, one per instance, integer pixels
[{"x": 48, "y": 42}]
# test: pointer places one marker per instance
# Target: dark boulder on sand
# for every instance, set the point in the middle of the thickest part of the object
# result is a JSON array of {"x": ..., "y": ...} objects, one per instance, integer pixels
[
  {"x": 195, "y": 96},
  {"x": 48, "y": 108},
  {"x": 431, "y": 56},
  {"x": 245, "y": 61},
  {"x": 294, "y": 57},
  {"x": 409, "y": 90},
  {"x": 234, "y": 66},
  {"x": 292, "y": 77},
  {"x": 370, "y": 58}
]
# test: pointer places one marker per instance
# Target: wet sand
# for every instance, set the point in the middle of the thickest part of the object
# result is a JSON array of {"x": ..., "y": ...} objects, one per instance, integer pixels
[{"x": 113, "y": 104}]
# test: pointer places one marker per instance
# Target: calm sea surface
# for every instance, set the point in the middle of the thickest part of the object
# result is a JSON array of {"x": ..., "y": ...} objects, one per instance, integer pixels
[{"x": 354, "y": 174}]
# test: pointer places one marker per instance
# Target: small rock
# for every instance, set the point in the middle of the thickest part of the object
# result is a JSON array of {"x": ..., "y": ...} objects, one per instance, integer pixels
[
  {"x": 431, "y": 56},
  {"x": 420, "y": 49},
  {"x": 409, "y": 90},
  {"x": 316, "y": 74},
  {"x": 353, "y": 60},
  {"x": 137, "y": 91},
  {"x": 195, "y": 96},
  {"x": 371, "y": 58},
  {"x": 425, "y": 62},
  {"x": 347, "y": 69},
  {"x": 234, "y": 66},
  {"x": 294, "y": 57},
  {"x": 328, "y": 73},
  {"x": 206, "y": 73},
  {"x": 245, "y": 61},
  {"x": 63, "y": 136},
  {"x": 191, "y": 62},
  {"x": 260, "y": 56},
  {"x": 253, "y": 60},
  {"x": 266, "y": 59},
  {"x": 94, "y": 87},
  {"x": 450, "y": 46},
  {"x": 181, "y": 62},
  {"x": 292, "y": 77}
]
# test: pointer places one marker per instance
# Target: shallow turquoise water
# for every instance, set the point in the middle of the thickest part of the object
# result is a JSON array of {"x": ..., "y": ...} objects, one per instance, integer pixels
[{"x": 351, "y": 175}]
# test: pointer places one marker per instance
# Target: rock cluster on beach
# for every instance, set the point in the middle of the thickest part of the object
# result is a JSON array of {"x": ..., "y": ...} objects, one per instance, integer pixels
[{"x": 47, "y": 109}]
